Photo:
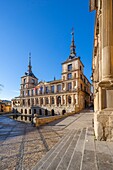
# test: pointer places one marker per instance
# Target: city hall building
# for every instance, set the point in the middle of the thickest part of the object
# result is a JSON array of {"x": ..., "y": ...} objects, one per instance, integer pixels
[{"x": 69, "y": 94}]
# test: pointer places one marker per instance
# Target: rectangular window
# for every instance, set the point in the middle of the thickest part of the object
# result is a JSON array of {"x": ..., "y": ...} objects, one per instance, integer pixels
[
  {"x": 69, "y": 76},
  {"x": 32, "y": 92},
  {"x": 69, "y": 67},
  {"x": 24, "y": 81},
  {"x": 33, "y": 81},
  {"x": 69, "y": 86},
  {"x": 59, "y": 87},
  {"x": 52, "y": 89},
  {"x": 28, "y": 93},
  {"x": 47, "y": 90}
]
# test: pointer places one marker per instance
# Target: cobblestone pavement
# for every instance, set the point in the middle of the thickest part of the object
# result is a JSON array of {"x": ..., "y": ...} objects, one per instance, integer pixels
[
  {"x": 66, "y": 144},
  {"x": 22, "y": 145}
]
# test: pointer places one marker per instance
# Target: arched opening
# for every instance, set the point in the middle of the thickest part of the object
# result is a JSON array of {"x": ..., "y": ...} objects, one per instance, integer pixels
[
  {"x": 21, "y": 117},
  {"x": 58, "y": 100},
  {"x": 46, "y": 112},
  {"x": 29, "y": 111},
  {"x": 63, "y": 112},
  {"x": 21, "y": 110},
  {"x": 69, "y": 99},
  {"x": 25, "y": 111},
  {"x": 52, "y": 112},
  {"x": 30, "y": 119},
  {"x": 25, "y": 118},
  {"x": 40, "y": 112},
  {"x": 34, "y": 111}
]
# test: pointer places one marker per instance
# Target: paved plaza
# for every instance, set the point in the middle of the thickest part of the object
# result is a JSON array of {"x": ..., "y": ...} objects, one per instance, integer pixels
[{"x": 66, "y": 144}]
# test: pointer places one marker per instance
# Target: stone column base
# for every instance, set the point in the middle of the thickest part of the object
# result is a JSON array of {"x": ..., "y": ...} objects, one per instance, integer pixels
[{"x": 103, "y": 124}]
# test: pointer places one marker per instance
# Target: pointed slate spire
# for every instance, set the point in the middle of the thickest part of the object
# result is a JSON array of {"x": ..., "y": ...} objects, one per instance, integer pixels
[
  {"x": 29, "y": 65},
  {"x": 72, "y": 47}
]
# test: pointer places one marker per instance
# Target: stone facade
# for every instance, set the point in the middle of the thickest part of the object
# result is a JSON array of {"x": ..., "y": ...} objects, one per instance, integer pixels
[
  {"x": 103, "y": 69},
  {"x": 69, "y": 94}
]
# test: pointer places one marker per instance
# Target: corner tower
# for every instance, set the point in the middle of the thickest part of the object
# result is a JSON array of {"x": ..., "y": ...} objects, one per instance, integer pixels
[{"x": 29, "y": 80}]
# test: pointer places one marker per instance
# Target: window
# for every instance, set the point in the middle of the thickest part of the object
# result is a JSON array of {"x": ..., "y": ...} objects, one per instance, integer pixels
[
  {"x": 46, "y": 90},
  {"x": 23, "y": 102},
  {"x": 32, "y": 92},
  {"x": 58, "y": 87},
  {"x": 28, "y": 93},
  {"x": 69, "y": 76},
  {"x": 41, "y": 90},
  {"x": 69, "y": 67},
  {"x": 52, "y": 89},
  {"x": 33, "y": 81},
  {"x": 32, "y": 101},
  {"x": 75, "y": 75},
  {"x": 81, "y": 76},
  {"x": 69, "y": 99},
  {"x": 46, "y": 100},
  {"x": 36, "y": 91},
  {"x": 52, "y": 100},
  {"x": 24, "y": 81},
  {"x": 80, "y": 68},
  {"x": 28, "y": 102},
  {"x": 36, "y": 100},
  {"x": 69, "y": 86},
  {"x": 41, "y": 100}
]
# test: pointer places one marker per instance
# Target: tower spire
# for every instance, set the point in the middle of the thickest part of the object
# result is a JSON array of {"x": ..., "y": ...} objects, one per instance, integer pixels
[
  {"x": 29, "y": 65},
  {"x": 72, "y": 47}
]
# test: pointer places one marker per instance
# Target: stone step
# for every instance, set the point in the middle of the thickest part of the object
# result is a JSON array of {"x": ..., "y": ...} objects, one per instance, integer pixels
[
  {"x": 67, "y": 154},
  {"x": 52, "y": 150}
]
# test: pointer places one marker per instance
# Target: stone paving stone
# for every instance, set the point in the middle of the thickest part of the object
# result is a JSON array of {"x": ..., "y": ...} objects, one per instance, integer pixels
[
  {"x": 110, "y": 146},
  {"x": 76, "y": 161},
  {"x": 89, "y": 160},
  {"x": 104, "y": 158},
  {"x": 105, "y": 166},
  {"x": 89, "y": 141}
]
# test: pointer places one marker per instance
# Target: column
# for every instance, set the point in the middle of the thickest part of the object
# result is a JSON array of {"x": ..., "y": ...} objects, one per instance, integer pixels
[{"x": 107, "y": 39}]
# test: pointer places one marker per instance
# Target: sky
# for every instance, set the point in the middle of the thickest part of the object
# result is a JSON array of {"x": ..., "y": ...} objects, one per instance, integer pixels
[{"x": 43, "y": 28}]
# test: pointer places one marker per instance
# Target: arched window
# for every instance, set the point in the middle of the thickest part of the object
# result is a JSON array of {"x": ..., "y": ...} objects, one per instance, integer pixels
[
  {"x": 29, "y": 111},
  {"x": 25, "y": 111},
  {"x": 21, "y": 110},
  {"x": 58, "y": 100}
]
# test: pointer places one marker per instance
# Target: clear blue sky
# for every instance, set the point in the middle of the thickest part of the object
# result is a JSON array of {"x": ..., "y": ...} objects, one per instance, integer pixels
[{"x": 43, "y": 28}]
